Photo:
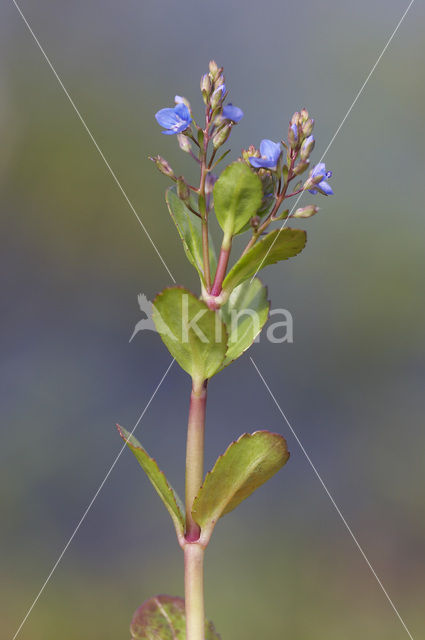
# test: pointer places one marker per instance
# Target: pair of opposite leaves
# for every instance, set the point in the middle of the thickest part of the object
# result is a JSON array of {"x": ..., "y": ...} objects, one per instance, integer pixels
[
  {"x": 246, "y": 465},
  {"x": 237, "y": 197}
]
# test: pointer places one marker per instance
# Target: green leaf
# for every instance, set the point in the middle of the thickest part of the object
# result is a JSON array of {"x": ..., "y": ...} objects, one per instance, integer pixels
[
  {"x": 189, "y": 227},
  {"x": 163, "y": 618},
  {"x": 237, "y": 197},
  {"x": 246, "y": 465},
  {"x": 244, "y": 314},
  {"x": 194, "y": 335},
  {"x": 277, "y": 245},
  {"x": 165, "y": 491}
]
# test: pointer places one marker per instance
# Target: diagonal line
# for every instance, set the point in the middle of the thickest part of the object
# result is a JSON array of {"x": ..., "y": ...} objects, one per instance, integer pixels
[
  {"x": 319, "y": 477},
  {"x": 53, "y": 569},
  {"x": 74, "y": 106},
  {"x": 358, "y": 94}
]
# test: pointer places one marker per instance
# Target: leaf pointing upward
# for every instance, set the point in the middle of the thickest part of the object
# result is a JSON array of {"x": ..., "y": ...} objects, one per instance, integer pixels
[{"x": 246, "y": 465}]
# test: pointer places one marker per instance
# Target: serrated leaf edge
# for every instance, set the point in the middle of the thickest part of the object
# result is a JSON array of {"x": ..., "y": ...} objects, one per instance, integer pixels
[
  {"x": 277, "y": 231},
  {"x": 205, "y": 535}
]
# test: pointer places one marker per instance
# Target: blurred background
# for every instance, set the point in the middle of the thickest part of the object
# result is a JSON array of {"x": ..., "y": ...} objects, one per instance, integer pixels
[{"x": 73, "y": 259}]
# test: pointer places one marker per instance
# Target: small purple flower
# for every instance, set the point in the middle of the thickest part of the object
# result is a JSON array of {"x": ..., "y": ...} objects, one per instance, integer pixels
[
  {"x": 320, "y": 170},
  {"x": 295, "y": 131},
  {"x": 174, "y": 120},
  {"x": 270, "y": 154},
  {"x": 232, "y": 113}
]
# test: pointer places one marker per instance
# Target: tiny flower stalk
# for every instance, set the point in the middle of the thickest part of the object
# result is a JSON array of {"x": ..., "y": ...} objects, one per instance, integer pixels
[{"x": 200, "y": 331}]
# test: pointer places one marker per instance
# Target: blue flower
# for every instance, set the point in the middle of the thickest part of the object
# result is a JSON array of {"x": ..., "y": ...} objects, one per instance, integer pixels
[
  {"x": 270, "y": 154},
  {"x": 174, "y": 120},
  {"x": 232, "y": 113},
  {"x": 320, "y": 170},
  {"x": 295, "y": 131}
]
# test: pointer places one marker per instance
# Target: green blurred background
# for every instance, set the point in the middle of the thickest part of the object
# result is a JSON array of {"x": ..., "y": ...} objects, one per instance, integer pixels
[{"x": 74, "y": 258}]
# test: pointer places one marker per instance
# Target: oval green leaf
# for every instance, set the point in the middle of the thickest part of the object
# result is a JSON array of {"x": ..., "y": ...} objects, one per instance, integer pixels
[
  {"x": 244, "y": 314},
  {"x": 163, "y": 618},
  {"x": 237, "y": 197},
  {"x": 246, "y": 465},
  {"x": 189, "y": 228},
  {"x": 277, "y": 245},
  {"x": 165, "y": 491},
  {"x": 194, "y": 334}
]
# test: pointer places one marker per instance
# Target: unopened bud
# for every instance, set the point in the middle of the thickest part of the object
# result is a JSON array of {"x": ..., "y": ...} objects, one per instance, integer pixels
[
  {"x": 304, "y": 115},
  {"x": 307, "y": 147},
  {"x": 206, "y": 87},
  {"x": 162, "y": 166},
  {"x": 213, "y": 67},
  {"x": 295, "y": 118},
  {"x": 183, "y": 190},
  {"x": 251, "y": 152},
  {"x": 301, "y": 167},
  {"x": 184, "y": 143},
  {"x": 205, "y": 83},
  {"x": 305, "y": 212},
  {"x": 293, "y": 135},
  {"x": 210, "y": 181},
  {"x": 221, "y": 136},
  {"x": 217, "y": 96},
  {"x": 307, "y": 127}
]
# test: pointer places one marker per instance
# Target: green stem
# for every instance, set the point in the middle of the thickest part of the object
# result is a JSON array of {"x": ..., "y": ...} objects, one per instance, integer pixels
[
  {"x": 194, "y": 591},
  {"x": 195, "y": 454},
  {"x": 193, "y": 551}
]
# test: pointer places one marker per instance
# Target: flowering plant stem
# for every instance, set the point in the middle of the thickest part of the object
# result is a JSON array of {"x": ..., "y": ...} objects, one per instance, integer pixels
[
  {"x": 193, "y": 550},
  {"x": 205, "y": 333}
]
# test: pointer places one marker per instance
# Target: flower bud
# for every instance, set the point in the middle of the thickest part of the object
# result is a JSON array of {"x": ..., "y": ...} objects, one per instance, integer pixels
[
  {"x": 305, "y": 212},
  {"x": 295, "y": 118},
  {"x": 307, "y": 147},
  {"x": 205, "y": 83},
  {"x": 210, "y": 181},
  {"x": 163, "y": 166},
  {"x": 184, "y": 143},
  {"x": 301, "y": 167},
  {"x": 218, "y": 95},
  {"x": 182, "y": 189},
  {"x": 221, "y": 136},
  {"x": 213, "y": 68},
  {"x": 246, "y": 154},
  {"x": 304, "y": 115},
  {"x": 307, "y": 126},
  {"x": 293, "y": 135}
]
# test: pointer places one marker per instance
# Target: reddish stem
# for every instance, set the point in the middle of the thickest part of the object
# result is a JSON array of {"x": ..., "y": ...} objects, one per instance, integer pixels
[{"x": 223, "y": 261}]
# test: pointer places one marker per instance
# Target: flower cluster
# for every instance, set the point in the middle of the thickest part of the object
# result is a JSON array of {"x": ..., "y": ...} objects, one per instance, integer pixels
[{"x": 278, "y": 165}]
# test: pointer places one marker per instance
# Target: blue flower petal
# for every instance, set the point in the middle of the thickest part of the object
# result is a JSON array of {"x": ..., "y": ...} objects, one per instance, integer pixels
[
  {"x": 263, "y": 163},
  {"x": 232, "y": 113},
  {"x": 183, "y": 112},
  {"x": 319, "y": 169},
  {"x": 270, "y": 150},
  {"x": 325, "y": 187},
  {"x": 166, "y": 118}
]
